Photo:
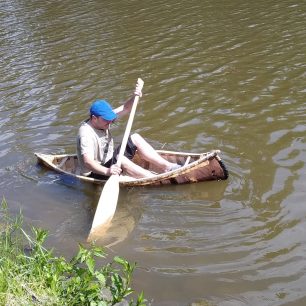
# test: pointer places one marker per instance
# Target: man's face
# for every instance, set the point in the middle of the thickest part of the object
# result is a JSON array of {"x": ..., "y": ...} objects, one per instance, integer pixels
[{"x": 100, "y": 123}]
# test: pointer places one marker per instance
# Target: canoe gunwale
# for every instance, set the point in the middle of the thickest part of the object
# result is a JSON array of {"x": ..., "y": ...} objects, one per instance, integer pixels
[{"x": 46, "y": 160}]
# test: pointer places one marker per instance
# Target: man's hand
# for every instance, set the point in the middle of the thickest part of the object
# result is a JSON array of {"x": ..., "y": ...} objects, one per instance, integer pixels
[
  {"x": 138, "y": 89},
  {"x": 114, "y": 170}
]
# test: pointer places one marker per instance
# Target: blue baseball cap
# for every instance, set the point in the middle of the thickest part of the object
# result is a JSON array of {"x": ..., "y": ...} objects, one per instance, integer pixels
[{"x": 101, "y": 108}]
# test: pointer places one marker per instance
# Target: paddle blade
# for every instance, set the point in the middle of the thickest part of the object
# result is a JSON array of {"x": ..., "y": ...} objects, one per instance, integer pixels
[{"x": 105, "y": 209}]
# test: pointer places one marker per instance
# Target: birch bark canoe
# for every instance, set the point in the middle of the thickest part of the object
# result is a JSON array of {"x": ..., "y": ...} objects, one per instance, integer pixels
[{"x": 196, "y": 167}]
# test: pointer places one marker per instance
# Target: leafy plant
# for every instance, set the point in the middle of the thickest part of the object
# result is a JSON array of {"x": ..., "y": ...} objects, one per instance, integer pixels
[{"x": 30, "y": 274}]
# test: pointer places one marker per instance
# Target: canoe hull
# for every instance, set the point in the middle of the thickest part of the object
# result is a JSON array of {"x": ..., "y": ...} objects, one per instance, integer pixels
[{"x": 195, "y": 168}]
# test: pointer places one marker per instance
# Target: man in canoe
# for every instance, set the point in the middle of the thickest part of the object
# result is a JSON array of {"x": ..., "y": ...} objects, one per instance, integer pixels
[{"x": 95, "y": 145}]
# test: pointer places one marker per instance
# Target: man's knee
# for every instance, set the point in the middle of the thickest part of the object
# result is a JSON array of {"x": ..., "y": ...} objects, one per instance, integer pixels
[{"x": 136, "y": 138}]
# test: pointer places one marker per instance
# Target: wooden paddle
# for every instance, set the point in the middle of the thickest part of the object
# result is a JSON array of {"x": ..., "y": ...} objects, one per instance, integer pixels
[{"x": 109, "y": 196}]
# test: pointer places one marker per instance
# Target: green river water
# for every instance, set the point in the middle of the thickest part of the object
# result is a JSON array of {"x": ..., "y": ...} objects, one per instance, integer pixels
[{"x": 226, "y": 75}]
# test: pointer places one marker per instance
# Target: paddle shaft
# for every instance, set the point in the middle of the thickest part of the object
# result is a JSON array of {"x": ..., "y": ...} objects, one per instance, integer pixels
[{"x": 128, "y": 129}]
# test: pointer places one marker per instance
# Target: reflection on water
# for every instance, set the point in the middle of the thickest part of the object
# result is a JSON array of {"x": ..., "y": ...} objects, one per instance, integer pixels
[
  {"x": 125, "y": 220},
  {"x": 224, "y": 75}
]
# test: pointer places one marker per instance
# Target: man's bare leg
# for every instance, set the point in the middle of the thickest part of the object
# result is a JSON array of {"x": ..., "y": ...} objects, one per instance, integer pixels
[
  {"x": 148, "y": 153},
  {"x": 134, "y": 170}
]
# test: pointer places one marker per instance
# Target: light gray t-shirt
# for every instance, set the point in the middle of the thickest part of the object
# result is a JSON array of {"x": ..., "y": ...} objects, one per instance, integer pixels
[{"x": 98, "y": 144}]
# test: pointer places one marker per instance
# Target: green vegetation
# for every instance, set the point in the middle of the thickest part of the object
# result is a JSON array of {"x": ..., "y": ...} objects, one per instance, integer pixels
[{"x": 31, "y": 275}]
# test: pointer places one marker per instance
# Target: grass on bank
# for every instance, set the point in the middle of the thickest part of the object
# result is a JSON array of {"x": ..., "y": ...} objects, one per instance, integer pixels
[{"x": 30, "y": 274}]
